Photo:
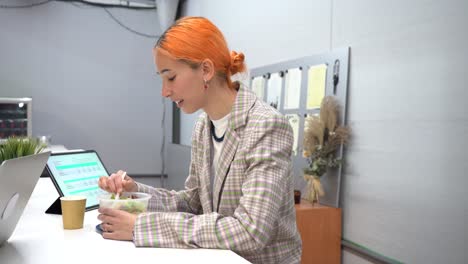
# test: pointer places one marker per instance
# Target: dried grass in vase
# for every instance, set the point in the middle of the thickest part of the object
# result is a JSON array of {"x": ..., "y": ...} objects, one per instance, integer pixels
[{"x": 322, "y": 138}]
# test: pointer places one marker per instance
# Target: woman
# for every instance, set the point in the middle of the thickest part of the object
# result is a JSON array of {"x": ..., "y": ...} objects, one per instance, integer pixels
[{"x": 239, "y": 192}]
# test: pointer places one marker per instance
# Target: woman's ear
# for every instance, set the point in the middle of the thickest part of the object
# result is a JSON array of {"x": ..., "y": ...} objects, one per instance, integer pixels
[{"x": 208, "y": 69}]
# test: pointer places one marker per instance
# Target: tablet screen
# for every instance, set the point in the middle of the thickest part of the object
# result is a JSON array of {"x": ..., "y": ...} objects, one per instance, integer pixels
[{"x": 77, "y": 173}]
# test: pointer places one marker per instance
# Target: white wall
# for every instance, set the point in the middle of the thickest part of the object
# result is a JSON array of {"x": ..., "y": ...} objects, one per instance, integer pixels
[
  {"x": 403, "y": 190},
  {"x": 257, "y": 28},
  {"x": 93, "y": 83}
]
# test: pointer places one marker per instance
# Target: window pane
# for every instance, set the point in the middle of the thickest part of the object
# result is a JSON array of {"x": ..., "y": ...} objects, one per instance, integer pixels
[
  {"x": 293, "y": 88},
  {"x": 274, "y": 90},
  {"x": 316, "y": 85},
  {"x": 258, "y": 86}
]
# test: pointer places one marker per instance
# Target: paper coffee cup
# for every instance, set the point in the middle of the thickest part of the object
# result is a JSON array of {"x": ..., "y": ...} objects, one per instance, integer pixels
[{"x": 73, "y": 209}]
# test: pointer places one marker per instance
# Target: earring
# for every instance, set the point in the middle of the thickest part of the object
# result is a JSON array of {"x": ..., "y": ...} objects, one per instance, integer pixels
[{"x": 206, "y": 84}]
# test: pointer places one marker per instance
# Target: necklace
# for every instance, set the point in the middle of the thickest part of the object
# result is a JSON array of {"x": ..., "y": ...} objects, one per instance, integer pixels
[{"x": 217, "y": 139}]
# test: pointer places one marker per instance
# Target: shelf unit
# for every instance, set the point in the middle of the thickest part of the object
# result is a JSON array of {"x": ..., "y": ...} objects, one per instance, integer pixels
[{"x": 15, "y": 117}]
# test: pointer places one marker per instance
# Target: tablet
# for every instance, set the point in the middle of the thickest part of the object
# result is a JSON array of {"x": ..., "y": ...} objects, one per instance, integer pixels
[{"x": 77, "y": 173}]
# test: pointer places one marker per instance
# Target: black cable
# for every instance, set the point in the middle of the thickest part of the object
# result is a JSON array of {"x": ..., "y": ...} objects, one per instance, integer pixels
[
  {"x": 81, "y": 6},
  {"x": 109, "y": 5},
  {"x": 162, "y": 151},
  {"x": 95, "y": 5},
  {"x": 26, "y": 6},
  {"x": 129, "y": 29},
  {"x": 82, "y": 2},
  {"x": 111, "y": 15}
]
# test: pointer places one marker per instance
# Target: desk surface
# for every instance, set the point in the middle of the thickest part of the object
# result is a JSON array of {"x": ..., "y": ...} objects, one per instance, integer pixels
[{"x": 40, "y": 238}]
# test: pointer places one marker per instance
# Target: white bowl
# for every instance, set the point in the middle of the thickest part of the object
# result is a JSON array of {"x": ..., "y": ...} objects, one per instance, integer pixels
[{"x": 132, "y": 202}]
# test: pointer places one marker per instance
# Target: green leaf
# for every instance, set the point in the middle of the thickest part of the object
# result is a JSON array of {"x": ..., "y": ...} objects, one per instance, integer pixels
[{"x": 19, "y": 147}]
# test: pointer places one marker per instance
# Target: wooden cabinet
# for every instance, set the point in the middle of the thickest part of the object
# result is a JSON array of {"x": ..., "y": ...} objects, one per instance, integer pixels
[{"x": 320, "y": 229}]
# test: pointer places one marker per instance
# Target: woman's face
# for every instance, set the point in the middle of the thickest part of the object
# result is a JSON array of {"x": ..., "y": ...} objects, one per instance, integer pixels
[{"x": 180, "y": 83}]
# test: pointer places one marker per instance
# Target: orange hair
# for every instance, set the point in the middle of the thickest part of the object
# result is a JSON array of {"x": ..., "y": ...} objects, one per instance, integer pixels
[{"x": 194, "y": 39}]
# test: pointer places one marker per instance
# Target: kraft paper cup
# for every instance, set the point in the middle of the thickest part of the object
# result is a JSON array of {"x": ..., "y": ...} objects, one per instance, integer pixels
[{"x": 73, "y": 209}]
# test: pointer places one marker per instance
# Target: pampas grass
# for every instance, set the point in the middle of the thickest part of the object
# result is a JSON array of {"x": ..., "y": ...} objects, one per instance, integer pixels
[
  {"x": 329, "y": 112},
  {"x": 322, "y": 138},
  {"x": 313, "y": 134}
]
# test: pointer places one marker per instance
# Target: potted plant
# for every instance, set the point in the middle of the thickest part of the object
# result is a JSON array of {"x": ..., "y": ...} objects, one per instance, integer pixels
[
  {"x": 15, "y": 147},
  {"x": 322, "y": 138}
]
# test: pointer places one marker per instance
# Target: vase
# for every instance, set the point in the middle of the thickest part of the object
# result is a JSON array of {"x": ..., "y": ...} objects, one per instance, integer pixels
[
  {"x": 297, "y": 197},
  {"x": 314, "y": 188}
]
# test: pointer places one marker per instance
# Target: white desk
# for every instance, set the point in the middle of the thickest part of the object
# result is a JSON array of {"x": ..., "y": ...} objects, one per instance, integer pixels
[{"x": 40, "y": 238}]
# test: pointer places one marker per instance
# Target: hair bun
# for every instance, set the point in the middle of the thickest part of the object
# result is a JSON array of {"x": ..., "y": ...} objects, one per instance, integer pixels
[{"x": 237, "y": 62}]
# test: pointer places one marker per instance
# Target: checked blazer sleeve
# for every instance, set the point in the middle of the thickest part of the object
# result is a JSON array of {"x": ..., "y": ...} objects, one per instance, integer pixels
[
  {"x": 163, "y": 200},
  {"x": 251, "y": 210},
  {"x": 187, "y": 200}
]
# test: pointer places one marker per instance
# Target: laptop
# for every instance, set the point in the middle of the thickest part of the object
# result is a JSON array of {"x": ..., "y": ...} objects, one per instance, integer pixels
[
  {"x": 76, "y": 173},
  {"x": 18, "y": 177}
]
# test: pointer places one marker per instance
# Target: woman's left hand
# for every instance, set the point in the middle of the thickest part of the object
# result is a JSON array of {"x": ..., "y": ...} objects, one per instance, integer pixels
[{"x": 116, "y": 224}]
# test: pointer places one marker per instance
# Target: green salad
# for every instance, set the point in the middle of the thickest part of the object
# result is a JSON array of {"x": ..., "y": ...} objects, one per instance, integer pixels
[{"x": 133, "y": 207}]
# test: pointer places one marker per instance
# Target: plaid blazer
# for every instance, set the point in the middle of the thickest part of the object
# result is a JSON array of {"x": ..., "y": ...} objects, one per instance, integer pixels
[{"x": 252, "y": 209}]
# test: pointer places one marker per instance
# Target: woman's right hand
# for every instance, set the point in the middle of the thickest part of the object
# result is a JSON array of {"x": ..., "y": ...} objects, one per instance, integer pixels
[{"x": 115, "y": 184}]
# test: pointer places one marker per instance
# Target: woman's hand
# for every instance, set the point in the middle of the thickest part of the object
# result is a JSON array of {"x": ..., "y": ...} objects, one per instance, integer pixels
[
  {"x": 116, "y": 224},
  {"x": 115, "y": 184}
]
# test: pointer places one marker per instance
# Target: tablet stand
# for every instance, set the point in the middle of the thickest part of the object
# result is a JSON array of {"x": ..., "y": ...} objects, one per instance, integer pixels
[{"x": 55, "y": 208}]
